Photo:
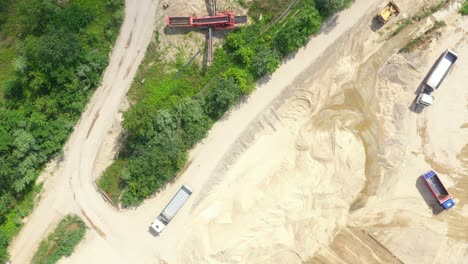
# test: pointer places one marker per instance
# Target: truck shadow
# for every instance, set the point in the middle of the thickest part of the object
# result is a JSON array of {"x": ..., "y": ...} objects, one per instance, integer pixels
[
  {"x": 426, "y": 194},
  {"x": 152, "y": 232}
]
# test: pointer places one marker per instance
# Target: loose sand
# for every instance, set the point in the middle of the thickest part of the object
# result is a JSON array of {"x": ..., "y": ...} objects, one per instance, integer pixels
[{"x": 320, "y": 165}]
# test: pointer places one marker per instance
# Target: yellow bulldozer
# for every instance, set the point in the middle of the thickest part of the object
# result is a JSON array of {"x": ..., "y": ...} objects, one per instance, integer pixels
[{"x": 388, "y": 12}]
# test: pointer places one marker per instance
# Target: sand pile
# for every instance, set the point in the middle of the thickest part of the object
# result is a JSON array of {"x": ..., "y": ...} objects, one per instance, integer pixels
[{"x": 286, "y": 205}]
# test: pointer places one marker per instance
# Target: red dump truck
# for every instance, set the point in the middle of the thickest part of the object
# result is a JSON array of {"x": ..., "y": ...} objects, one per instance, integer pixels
[{"x": 438, "y": 189}]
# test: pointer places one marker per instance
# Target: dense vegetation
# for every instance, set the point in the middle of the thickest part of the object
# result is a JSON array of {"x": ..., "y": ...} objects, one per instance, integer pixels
[
  {"x": 61, "y": 242},
  {"x": 52, "y": 54},
  {"x": 464, "y": 9},
  {"x": 173, "y": 110}
]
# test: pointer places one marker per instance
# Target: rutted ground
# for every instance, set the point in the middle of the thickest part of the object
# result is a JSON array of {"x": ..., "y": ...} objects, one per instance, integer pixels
[
  {"x": 345, "y": 136},
  {"x": 281, "y": 190}
]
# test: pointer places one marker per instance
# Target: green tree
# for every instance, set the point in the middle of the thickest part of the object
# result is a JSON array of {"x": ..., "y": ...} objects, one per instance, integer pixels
[
  {"x": 295, "y": 33},
  {"x": 266, "y": 61},
  {"x": 193, "y": 121},
  {"x": 224, "y": 93},
  {"x": 329, "y": 7}
]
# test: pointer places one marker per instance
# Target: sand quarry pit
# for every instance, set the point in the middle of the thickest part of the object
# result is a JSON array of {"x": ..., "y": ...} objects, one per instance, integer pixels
[
  {"x": 321, "y": 164},
  {"x": 330, "y": 172}
]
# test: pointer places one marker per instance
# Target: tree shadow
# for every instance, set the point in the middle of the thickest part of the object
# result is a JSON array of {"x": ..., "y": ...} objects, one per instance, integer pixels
[
  {"x": 329, "y": 24},
  {"x": 428, "y": 197},
  {"x": 414, "y": 107},
  {"x": 209, "y": 7},
  {"x": 182, "y": 30},
  {"x": 152, "y": 232}
]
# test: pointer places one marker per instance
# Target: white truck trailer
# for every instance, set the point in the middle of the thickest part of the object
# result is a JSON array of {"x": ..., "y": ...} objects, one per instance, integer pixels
[
  {"x": 433, "y": 81},
  {"x": 171, "y": 209}
]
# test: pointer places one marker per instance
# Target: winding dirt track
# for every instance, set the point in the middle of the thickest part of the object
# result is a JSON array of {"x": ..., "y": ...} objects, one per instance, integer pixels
[
  {"x": 123, "y": 237},
  {"x": 71, "y": 188}
]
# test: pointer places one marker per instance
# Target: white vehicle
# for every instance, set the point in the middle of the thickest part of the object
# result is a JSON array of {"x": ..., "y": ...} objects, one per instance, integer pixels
[
  {"x": 441, "y": 69},
  {"x": 171, "y": 209}
]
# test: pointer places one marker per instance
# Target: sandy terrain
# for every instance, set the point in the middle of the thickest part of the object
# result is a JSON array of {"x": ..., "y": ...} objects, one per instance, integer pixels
[
  {"x": 330, "y": 173},
  {"x": 320, "y": 165}
]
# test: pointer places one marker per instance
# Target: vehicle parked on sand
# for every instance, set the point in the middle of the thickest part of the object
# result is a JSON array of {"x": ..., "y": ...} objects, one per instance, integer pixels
[
  {"x": 171, "y": 209},
  {"x": 388, "y": 12},
  {"x": 433, "y": 81},
  {"x": 438, "y": 189}
]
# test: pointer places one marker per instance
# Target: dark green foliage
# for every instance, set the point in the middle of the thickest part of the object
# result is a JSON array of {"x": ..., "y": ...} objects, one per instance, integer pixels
[
  {"x": 225, "y": 92},
  {"x": 154, "y": 163},
  {"x": 266, "y": 61},
  {"x": 329, "y": 7},
  {"x": 12, "y": 220},
  {"x": 296, "y": 31},
  {"x": 61, "y": 242},
  {"x": 193, "y": 121},
  {"x": 113, "y": 188},
  {"x": 464, "y": 9},
  {"x": 61, "y": 49},
  {"x": 4, "y": 4}
]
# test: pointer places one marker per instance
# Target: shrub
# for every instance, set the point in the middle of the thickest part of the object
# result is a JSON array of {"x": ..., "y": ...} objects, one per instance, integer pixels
[{"x": 61, "y": 242}]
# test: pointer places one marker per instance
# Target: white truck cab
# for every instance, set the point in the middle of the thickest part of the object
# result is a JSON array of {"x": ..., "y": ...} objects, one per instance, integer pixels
[{"x": 425, "y": 99}]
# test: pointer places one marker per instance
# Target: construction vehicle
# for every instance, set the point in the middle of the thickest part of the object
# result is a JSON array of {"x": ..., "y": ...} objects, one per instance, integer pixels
[
  {"x": 171, "y": 209},
  {"x": 388, "y": 12},
  {"x": 216, "y": 20},
  {"x": 437, "y": 75},
  {"x": 438, "y": 189}
]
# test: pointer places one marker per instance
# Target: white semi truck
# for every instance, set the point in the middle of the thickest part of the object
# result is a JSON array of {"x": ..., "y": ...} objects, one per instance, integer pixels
[
  {"x": 171, "y": 209},
  {"x": 437, "y": 75}
]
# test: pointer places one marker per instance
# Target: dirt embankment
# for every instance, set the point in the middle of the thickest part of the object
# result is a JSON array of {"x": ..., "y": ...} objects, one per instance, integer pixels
[
  {"x": 274, "y": 182},
  {"x": 330, "y": 173}
]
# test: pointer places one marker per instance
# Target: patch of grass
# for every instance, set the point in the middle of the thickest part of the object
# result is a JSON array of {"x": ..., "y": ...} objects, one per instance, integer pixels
[
  {"x": 423, "y": 39},
  {"x": 424, "y": 13},
  {"x": 431, "y": 10},
  {"x": 12, "y": 223},
  {"x": 61, "y": 242},
  {"x": 8, "y": 42},
  {"x": 464, "y": 9},
  {"x": 111, "y": 180},
  {"x": 402, "y": 25}
]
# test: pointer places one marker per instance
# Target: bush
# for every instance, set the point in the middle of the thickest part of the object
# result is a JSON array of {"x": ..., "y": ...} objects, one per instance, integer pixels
[
  {"x": 296, "y": 31},
  {"x": 464, "y": 9},
  {"x": 61, "y": 242},
  {"x": 111, "y": 181},
  {"x": 329, "y": 7},
  {"x": 266, "y": 61},
  {"x": 225, "y": 92}
]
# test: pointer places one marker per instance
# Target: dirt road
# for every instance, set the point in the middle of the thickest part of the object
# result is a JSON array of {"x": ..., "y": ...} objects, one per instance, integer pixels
[
  {"x": 330, "y": 172},
  {"x": 123, "y": 237},
  {"x": 274, "y": 182},
  {"x": 70, "y": 188}
]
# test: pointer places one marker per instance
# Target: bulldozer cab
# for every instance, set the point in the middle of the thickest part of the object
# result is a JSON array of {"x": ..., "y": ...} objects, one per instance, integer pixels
[{"x": 390, "y": 10}]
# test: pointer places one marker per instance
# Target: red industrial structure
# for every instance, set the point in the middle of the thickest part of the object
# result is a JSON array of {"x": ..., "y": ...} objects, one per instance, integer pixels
[
  {"x": 222, "y": 20},
  {"x": 217, "y": 21}
]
